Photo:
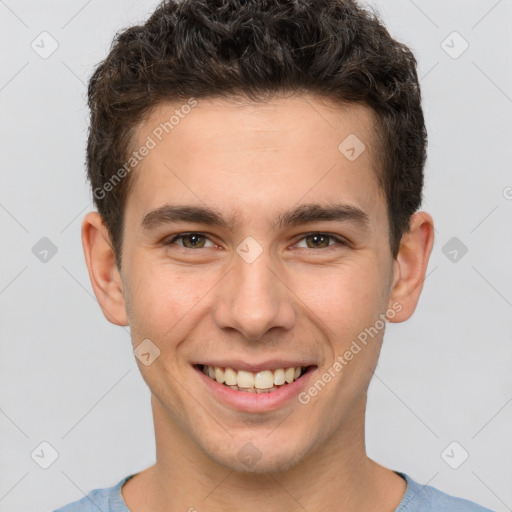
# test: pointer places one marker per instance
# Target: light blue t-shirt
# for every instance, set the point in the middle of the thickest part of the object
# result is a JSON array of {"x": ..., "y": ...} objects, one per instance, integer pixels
[{"x": 417, "y": 498}]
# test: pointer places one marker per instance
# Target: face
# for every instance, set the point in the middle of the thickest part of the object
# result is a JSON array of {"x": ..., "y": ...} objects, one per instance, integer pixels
[{"x": 253, "y": 243}]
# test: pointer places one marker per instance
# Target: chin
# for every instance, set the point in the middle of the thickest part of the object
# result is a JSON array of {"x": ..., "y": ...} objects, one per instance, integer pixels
[{"x": 249, "y": 459}]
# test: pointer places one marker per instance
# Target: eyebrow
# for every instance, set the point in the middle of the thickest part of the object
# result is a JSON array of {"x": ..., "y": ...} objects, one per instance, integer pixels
[{"x": 302, "y": 214}]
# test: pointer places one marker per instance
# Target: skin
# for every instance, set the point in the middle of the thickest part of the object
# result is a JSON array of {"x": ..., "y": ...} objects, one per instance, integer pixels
[{"x": 253, "y": 160}]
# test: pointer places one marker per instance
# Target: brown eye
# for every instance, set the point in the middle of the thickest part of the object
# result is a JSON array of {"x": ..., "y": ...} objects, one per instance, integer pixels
[
  {"x": 318, "y": 240},
  {"x": 193, "y": 241},
  {"x": 190, "y": 240}
]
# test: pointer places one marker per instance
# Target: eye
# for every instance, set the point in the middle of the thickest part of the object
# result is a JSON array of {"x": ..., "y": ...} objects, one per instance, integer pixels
[
  {"x": 190, "y": 240},
  {"x": 321, "y": 241},
  {"x": 315, "y": 240}
]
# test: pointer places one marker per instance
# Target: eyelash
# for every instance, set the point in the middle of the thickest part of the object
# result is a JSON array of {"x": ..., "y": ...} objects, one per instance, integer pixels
[{"x": 341, "y": 241}]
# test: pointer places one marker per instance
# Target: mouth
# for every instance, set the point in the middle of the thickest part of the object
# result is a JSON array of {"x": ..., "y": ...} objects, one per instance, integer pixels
[{"x": 264, "y": 381}]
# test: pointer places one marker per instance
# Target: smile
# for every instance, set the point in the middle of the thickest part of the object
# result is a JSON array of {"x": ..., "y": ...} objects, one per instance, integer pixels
[{"x": 264, "y": 381}]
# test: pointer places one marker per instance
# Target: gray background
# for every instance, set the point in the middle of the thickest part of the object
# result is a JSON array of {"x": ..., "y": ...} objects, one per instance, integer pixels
[{"x": 69, "y": 378}]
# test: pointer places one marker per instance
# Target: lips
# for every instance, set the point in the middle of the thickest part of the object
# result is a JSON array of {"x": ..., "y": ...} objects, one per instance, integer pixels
[{"x": 253, "y": 400}]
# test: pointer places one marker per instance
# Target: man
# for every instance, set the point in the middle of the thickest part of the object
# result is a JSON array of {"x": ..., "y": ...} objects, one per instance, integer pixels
[{"x": 258, "y": 168}]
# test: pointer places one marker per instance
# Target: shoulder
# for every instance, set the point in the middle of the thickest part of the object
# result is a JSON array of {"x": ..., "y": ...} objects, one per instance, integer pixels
[
  {"x": 108, "y": 499},
  {"x": 424, "y": 498}
]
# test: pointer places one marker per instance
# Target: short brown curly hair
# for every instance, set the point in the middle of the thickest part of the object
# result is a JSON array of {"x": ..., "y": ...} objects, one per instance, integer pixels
[{"x": 254, "y": 49}]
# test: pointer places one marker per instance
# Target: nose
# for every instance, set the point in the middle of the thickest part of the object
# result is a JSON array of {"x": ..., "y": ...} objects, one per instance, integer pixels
[{"x": 253, "y": 299}]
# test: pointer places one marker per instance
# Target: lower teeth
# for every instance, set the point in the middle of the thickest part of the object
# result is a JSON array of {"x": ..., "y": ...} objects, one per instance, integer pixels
[{"x": 252, "y": 390}]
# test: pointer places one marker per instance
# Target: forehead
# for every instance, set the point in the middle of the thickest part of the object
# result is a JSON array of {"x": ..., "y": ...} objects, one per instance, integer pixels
[{"x": 249, "y": 158}]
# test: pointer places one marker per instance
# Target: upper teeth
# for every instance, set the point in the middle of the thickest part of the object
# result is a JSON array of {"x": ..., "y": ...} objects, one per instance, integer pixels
[{"x": 265, "y": 379}]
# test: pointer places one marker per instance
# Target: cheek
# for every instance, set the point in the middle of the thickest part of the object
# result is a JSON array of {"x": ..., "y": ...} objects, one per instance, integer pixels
[
  {"x": 341, "y": 299},
  {"x": 162, "y": 301},
  {"x": 345, "y": 298}
]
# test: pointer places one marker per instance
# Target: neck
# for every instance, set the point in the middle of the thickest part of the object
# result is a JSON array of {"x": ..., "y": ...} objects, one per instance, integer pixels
[{"x": 336, "y": 475}]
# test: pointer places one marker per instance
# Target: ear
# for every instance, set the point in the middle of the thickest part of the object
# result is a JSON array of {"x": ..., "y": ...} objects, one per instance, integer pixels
[
  {"x": 410, "y": 266},
  {"x": 103, "y": 272}
]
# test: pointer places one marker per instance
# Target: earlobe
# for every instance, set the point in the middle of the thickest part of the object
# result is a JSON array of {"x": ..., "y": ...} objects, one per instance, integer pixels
[
  {"x": 103, "y": 272},
  {"x": 411, "y": 264}
]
